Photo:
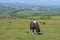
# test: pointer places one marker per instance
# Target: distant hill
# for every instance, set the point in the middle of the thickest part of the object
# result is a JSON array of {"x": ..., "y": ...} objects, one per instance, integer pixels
[{"x": 24, "y": 10}]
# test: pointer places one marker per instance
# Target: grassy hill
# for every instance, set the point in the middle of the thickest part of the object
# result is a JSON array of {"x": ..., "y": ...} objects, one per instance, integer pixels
[
  {"x": 18, "y": 28},
  {"x": 19, "y": 17}
]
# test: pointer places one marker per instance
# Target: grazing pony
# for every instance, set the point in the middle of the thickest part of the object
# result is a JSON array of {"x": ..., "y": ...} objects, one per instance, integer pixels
[
  {"x": 34, "y": 26},
  {"x": 42, "y": 22}
]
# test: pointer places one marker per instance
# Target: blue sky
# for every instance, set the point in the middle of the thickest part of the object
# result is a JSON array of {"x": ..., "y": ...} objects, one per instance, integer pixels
[{"x": 37, "y": 2}]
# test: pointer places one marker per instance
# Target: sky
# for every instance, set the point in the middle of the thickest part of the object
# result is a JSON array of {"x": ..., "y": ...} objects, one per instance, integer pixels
[{"x": 37, "y": 2}]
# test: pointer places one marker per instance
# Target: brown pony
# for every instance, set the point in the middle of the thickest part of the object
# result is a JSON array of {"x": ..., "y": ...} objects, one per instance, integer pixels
[{"x": 34, "y": 26}]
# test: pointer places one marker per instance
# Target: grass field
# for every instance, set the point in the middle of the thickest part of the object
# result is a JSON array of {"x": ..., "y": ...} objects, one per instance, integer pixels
[{"x": 18, "y": 28}]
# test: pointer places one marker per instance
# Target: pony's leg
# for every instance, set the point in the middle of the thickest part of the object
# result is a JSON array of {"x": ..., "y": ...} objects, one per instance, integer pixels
[
  {"x": 38, "y": 31},
  {"x": 32, "y": 30}
]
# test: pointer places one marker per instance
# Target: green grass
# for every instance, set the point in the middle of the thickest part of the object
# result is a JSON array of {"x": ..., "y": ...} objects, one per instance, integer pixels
[
  {"x": 56, "y": 17},
  {"x": 17, "y": 30}
]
